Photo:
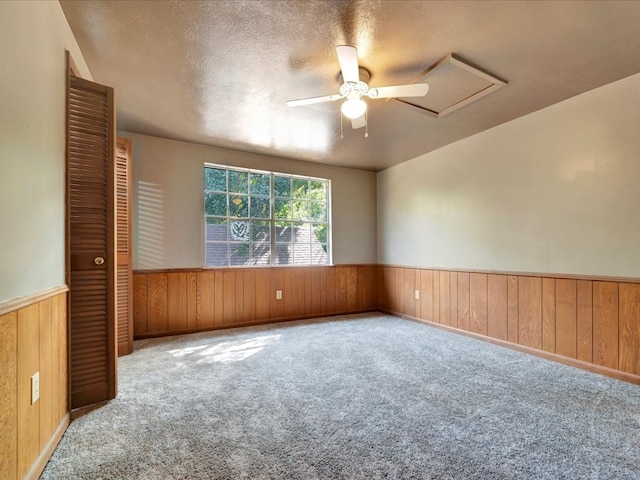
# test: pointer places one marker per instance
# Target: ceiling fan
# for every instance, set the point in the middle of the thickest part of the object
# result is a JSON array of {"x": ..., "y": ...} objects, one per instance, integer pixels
[{"x": 355, "y": 85}]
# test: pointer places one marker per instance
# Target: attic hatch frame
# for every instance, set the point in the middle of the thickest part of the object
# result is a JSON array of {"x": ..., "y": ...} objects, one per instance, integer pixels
[{"x": 455, "y": 60}]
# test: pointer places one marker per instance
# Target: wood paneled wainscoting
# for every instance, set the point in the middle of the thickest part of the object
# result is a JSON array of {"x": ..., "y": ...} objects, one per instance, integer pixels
[
  {"x": 586, "y": 322},
  {"x": 33, "y": 338},
  {"x": 168, "y": 302}
]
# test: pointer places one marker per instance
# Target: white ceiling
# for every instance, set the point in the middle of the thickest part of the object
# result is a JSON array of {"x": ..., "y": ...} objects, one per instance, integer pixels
[{"x": 219, "y": 73}]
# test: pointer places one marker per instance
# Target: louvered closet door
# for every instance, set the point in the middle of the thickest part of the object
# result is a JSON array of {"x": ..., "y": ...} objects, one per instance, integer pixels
[
  {"x": 124, "y": 305},
  {"x": 90, "y": 202}
]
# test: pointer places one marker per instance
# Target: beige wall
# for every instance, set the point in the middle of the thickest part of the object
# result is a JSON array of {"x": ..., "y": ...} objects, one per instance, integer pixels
[
  {"x": 168, "y": 210},
  {"x": 33, "y": 39},
  {"x": 557, "y": 191}
]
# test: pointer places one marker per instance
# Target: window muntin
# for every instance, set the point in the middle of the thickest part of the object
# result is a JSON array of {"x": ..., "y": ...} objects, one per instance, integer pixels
[{"x": 263, "y": 218}]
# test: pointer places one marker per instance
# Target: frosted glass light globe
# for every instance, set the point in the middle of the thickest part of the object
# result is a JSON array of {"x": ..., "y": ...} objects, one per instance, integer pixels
[{"x": 354, "y": 108}]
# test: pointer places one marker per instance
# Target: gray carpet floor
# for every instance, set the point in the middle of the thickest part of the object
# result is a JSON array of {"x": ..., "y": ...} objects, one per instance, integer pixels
[{"x": 352, "y": 397}]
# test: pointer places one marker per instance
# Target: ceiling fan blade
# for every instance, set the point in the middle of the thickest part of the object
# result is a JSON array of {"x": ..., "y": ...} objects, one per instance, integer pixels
[
  {"x": 395, "y": 91},
  {"x": 348, "y": 58},
  {"x": 311, "y": 100},
  {"x": 358, "y": 122}
]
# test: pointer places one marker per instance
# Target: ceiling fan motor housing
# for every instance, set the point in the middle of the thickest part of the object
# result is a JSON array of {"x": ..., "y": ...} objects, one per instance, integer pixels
[{"x": 355, "y": 89}]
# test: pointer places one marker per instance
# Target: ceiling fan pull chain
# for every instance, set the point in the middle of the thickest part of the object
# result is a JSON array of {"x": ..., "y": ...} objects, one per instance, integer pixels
[{"x": 366, "y": 124}]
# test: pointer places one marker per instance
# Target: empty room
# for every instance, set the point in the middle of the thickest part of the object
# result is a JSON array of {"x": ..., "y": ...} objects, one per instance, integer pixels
[{"x": 307, "y": 239}]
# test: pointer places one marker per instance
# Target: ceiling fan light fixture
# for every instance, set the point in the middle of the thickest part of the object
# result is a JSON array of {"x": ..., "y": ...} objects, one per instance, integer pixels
[{"x": 354, "y": 108}]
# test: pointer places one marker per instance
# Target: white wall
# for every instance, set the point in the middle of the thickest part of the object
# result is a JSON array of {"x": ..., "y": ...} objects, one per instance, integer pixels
[
  {"x": 168, "y": 210},
  {"x": 557, "y": 191},
  {"x": 33, "y": 39}
]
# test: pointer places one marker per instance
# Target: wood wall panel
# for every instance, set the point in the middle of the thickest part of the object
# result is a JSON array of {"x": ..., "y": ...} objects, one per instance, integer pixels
[
  {"x": 416, "y": 284},
  {"x": 584, "y": 320},
  {"x": 8, "y": 395},
  {"x": 218, "y": 302},
  {"x": 445, "y": 298},
  {"x": 436, "y": 296},
  {"x": 205, "y": 301},
  {"x": 177, "y": 298},
  {"x": 497, "y": 306},
  {"x": 331, "y": 288},
  {"x": 228, "y": 297},
  {"x": 316, "y": 287},
  {"x": 263, "y": 293},
  {"x": 157, "y": 302},
  {"x": 352, "y": 289},
  {"x": 33, "y": 338},
  {"x": 297, "y": 292},
  {"x": 453, "y": 296},
  {"x": 409, "y": 292},
  {"x": 566, "y": 339},
  {"x": 463, "y": 300},
  {"x": 549, "y": 314},
  {"x": 512, "y": 308},
  {"x": 478, "y": 303},
  {"x": 530, "y": 312},
  {"x": 426, "y": 295},
  {"x": 399, "y": 296},
  {"x": 249, "y": 295},
  {"x": 140, "y": 303},
  {"x": 629, "y": 339},
  {"x": 192, "y": 295},
  {"x": 605, "y": 324}
]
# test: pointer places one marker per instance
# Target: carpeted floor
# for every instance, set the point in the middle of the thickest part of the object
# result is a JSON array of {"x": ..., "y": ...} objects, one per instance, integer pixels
[{"x": 354, "y": 397}]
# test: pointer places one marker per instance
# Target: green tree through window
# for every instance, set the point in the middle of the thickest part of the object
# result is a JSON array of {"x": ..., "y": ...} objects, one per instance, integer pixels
[{"x": 265, "y": 218}]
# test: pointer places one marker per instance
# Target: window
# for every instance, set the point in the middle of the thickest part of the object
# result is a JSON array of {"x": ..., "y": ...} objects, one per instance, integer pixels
[{"x": 263, "y": 218}]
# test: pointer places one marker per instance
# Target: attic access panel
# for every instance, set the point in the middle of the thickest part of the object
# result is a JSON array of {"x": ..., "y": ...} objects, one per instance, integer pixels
[{"x": 453, "y": 83}]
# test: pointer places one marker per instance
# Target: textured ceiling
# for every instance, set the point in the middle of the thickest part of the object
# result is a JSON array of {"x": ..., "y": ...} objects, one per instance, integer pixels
[{"x": 219, "y": 73}]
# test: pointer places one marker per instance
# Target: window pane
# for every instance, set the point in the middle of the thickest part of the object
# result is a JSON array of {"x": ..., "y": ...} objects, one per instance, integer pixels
[
  {"x": 238, "y": 182},
  {"x": 301, "y": 233},
  {"x": 300, "y": 188},
  {"x": 283, "y": 232},
  {"x": 216, "y": 230},
  {"x": 239, "y": 253},
  {"x": 260, "y": 232},
  {"x": 238, "y": 206},
  {"x": 260, "y": 207},
  {"x": 260, "y": 254},
  {"x": 284, "y": 254},
  {"x": 239, "y": 231},
  {"x": 302, "y": 254},
  {"x": 318, "y": 254},
  {"x": 282, "y": 209},
  {"x": 215, "y": 204},
  {"x": 317, "y": 211},
  {"x": 260, "y": 184},
  {"x": 282, "y": 186},
  {"x": 215, "y": 179},
  {"x": 216, "y": 254},
  {"x": 300, "y": 210},
  {"x": 318, "y": 190},
  {"x": 320, "y": 233}
]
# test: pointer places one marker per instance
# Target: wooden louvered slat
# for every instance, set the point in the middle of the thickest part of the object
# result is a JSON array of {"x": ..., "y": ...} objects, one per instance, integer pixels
[
  {"x": 124, "y": 284},
  {"x": 90, "y": 175}
]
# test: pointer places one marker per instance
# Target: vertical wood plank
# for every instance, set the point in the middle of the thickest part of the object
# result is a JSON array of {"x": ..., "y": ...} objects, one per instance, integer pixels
[
  {"x": 157, "y": 302},
  {"x": 381, "y": 301},
  {"x": 512, "y": 308},
  {"x": 478, "y": 303},
  {"x": 453, "y": 295},
  {"x": 566, "y": 339},
  {"x": 249, "y": 285},
  {"x": 341, "y": 289},
  {"x": 530, "y": 312},
  {"x": 140, "y": 303},
  {"x": 192, "y": 300},
  {"x": 605, "y": 324},
  {"x": 308, "y": 293},
  {"x": 331, "y": 289},
  {"x": 8, "y": 395},
  {"x": 56, "y": 386},
  {"x": 549, "y": 314},
  {"x": 229, "y": 297},
  {"x": 398, "y": 294},
  {"x": 436, "y": 296},
  {"x": 218, "y": 293},
  {"x": 63, "y": 361},
  {"x": 463, "y": 300},
  {"x": 277, "y": 283},
  {"x": 28, "y": 415},
  {"x": 316, "y": 290},
  {"x": 426, "y": 294},
  {"x": 44, "y": 362},
  {"x": 322, "y": 289},
  {"x": 205, "y": 306},
  {"x": 497, "y": 306},
  {"x": 417, "y": 276},
  {"x": 584, "y": 320},
  {"x": 177, "y": 301},
  {"x": 629, "y": 342},
  {"x": 286, "y": 294},
  {"x": 297, "y": 292},
  {"x": 239, "y": 317},
  {"x": 352, "y": 288},
  {"x": 445, "y": 298},
  {"x": 263, "y": 294},
  {"x": 409, "y": 292}
]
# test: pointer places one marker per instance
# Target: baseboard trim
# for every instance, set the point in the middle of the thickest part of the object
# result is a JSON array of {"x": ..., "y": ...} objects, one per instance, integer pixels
[
  {"x": 21, "y": 302},
  {"x": 38, "y": 466},
  {"x": 609, "y": 372},
  {"x": 252, "y": 323}
]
